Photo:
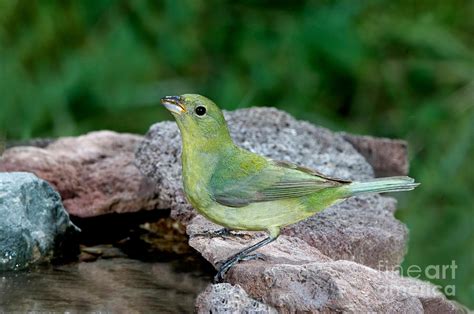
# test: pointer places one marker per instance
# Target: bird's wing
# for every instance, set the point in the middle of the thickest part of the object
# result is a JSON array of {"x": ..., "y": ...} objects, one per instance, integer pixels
[
  {"x": 237, "y": 184},
  {"x": 289, "y": 165}
]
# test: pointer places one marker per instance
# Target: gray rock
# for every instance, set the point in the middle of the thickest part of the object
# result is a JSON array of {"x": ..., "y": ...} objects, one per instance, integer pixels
[
  {"x": 34, "y": 224},
  {"x": 362, "y": 229},
  {"x": 225, "y": 298}
]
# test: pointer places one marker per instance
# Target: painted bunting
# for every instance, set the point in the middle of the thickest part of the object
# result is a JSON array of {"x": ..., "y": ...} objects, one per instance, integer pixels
[{"x": 241, "y": 190}]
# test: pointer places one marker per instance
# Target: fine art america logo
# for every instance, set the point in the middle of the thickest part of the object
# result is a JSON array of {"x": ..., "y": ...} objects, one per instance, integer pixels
[{"x": 430, "y": 272}]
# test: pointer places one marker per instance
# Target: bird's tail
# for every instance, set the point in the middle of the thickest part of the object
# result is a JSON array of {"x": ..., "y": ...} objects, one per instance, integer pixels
[{"x": 382, "y": 185}]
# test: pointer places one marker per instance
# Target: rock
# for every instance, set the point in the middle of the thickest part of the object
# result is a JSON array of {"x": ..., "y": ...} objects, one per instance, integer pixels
[
  {"x": 284, "y": 250},
  {"x": 388, "y": 157},
  {"x": 297, "y": 277},
  {"x": 362, "y": 229},
  {"x": 225, "y": 298},
  {"x": 158, "y": 158},
  {"x": 35, "y": 226},
  {"x": 36, "y": 142},
  {"x": 336, "y": 286},
  {"x": 94, "y": 173}
]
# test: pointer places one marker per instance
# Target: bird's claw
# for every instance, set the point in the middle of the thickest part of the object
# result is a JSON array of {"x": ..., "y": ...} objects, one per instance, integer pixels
[
  {"x": 252, "y": 257},
  {"x": 222, "y": 233},
  {"x": 226, "y": 265}
]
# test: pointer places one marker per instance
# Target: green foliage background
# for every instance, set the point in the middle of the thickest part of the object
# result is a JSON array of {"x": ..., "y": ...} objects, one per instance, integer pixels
[{"x": 402, "y": 69}]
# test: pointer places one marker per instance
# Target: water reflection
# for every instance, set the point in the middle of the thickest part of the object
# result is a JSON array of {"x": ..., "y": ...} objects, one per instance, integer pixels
[{"x": 106, "y": 285}]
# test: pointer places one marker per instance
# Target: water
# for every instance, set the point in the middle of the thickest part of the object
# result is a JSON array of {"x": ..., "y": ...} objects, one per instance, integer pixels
[
  {"x": 118, "y": 285},
  {"x": 126, "y": 265}
]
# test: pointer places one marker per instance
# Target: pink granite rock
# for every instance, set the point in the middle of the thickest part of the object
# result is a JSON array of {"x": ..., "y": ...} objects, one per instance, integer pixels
[
  {"x": 388, "y": 157},
  {"x": 295, "y": 277},
  {"x": 336, "y": 286},
  {"x": 94, "y": 173}
]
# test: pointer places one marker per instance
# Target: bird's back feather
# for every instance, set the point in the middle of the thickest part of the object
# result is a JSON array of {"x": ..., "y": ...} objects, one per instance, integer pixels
[{"x": 242, "y": 177}]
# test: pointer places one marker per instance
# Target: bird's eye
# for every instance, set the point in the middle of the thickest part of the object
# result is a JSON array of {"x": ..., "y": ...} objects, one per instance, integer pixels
[{"x": 200, "y": 110}]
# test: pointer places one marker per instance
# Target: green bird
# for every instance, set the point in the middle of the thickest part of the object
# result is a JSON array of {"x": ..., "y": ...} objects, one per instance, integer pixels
[{"x": 241, "y": 190}]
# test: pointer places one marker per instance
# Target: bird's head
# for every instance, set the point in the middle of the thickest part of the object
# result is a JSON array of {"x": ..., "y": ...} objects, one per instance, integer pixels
[{"x": 199, "y": 119}]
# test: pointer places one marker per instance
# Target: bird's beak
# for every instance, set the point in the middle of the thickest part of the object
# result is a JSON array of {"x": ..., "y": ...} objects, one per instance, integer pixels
[{"x": 173, "y": 104}]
